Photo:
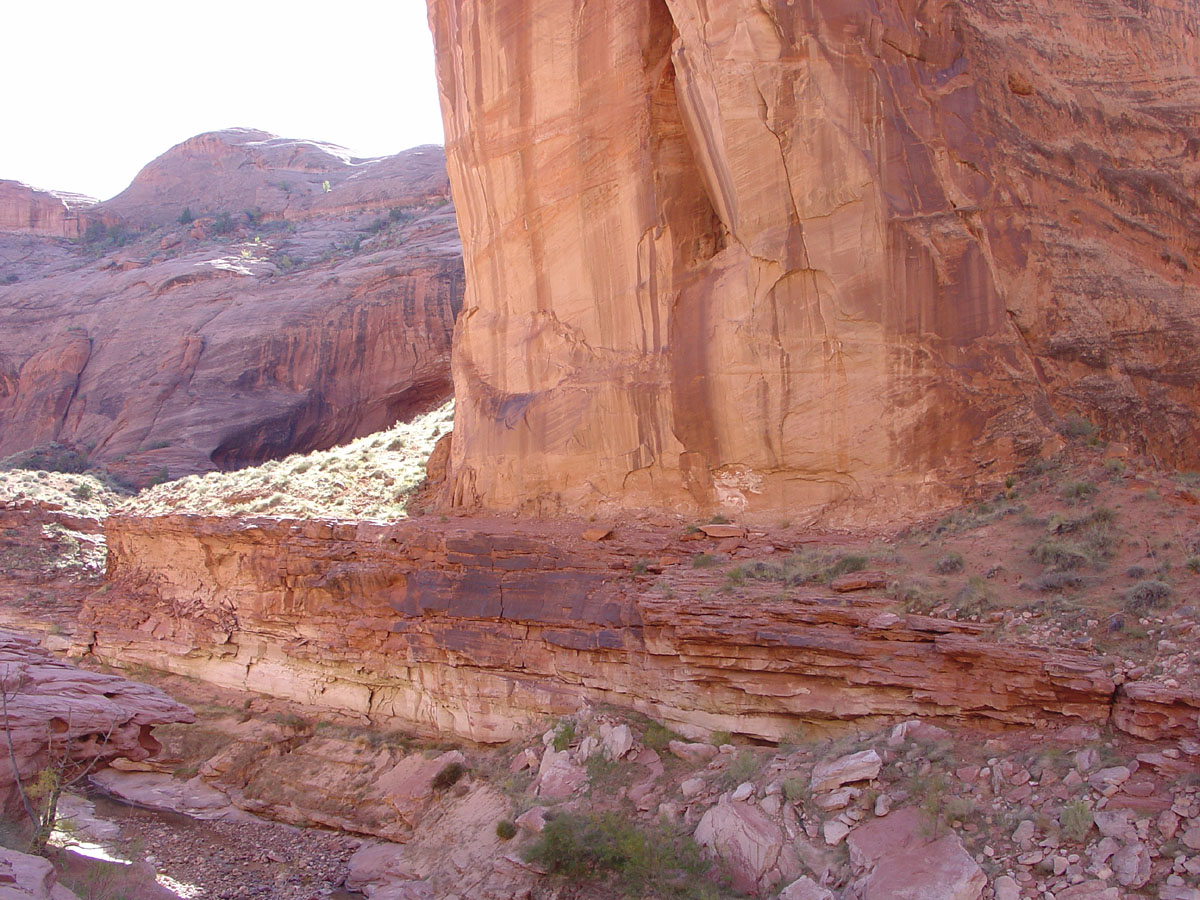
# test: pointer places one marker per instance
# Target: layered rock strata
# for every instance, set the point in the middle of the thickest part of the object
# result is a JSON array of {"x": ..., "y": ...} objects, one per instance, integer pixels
[
  {"x": 771, "y": 256},
  {"x": 278, "y": 321},
  {"x": 56, "y": 713},
  {"x": 477, "y": 632}
]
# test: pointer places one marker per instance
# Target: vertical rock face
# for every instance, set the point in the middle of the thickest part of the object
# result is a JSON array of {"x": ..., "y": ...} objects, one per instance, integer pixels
[
  {"x": 760, "y": 255},
  {"x": 26, "y": 210}
]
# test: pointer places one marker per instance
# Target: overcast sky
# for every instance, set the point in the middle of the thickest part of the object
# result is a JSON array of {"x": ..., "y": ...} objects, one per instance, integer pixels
[{"x": 95, "y": 90}]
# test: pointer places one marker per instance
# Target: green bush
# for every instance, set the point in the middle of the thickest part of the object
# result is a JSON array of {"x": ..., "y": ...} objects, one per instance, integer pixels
[
  {"x": 506, "y": 830},
  {"x": 1060, "y": 555},
  {"x": 1147, "y": 595},
  {"x": 657, "y": 736},
  {"x": 564, "y": 734},
  {"x": 448, "y": 776},
  {"x": 1078, "y": 490},
  {"x": 1075, "y": 820},
  {"x": 845, "y": 564},
  {"x": 650, "y": 862},
  {"x": 720, "y": 738},
  {"x": 186, "y": 217}
]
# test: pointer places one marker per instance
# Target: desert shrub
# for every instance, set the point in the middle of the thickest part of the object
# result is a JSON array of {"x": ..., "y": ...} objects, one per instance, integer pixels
[
  {"x": 703, "y": 561},
  {"x": 949, "y": 564},
  {"x": 399, "y": 214},
  {"x": 564, "y": 734},
  {"x": 845, "y": 564},
  {"x": 806, "y": 567},
  {"x": 1147, "y": 595},
  {"x": 52, "y": 457},
  {"x": 796, "y": 789},
  {"x": 449, "y": 776},
  {"x": 186, "y": 217},
  {"x": 11, "y": 278},
  {"x": 1060, "y": 554},
  {"x": 720, "y": 738},
  {"x": 1077, "y": 427},
  {"x": 506, "y": 830},
  {"x": 1075, "y": 820},
  {"x": 83, "y": 491},
  {"x": 1078, "y": 490},
  {"x": 657, "y": 736},
  {"x": 973, "y": 599},
  {"x": 744, "y": 767},
  {"x": 592, "y": 846},
  {"x": 223, "y": 224},
  {"x": 1053, "y": 581},
  {"x": 1193, "y": 564}
]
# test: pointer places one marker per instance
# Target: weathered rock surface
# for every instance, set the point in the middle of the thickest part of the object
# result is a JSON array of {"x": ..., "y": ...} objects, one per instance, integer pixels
[
  {"x": 478, "y": 631},
  {"x": 56, "y": 711},
  {"x": 744, "y": 839},
  {"x": 25, "y": 877},
  {"x": 899, "y": 858},
  {"x": 774, "y": 255},
  {"x": 27, "y": 210},
  {"x": 217, "y": 345}
]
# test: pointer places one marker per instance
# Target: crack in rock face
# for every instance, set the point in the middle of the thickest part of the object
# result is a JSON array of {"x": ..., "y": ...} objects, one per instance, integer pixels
[{"x": 867, "y": 255}]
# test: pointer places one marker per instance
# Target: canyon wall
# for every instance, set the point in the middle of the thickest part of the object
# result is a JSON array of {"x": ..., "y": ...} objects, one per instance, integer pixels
[
  {"x": 772, "y": 256},
  {"x": 481, "y": 631},
  {"x": 27, "y": 210},
  {"x": 282, "y": 318}
]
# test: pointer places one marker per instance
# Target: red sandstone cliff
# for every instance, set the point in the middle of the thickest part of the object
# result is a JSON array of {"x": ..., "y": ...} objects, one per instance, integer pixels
[
  {"x": 227, "y": 341},
  {"x": 27, "y": 210},
  {"x": 768, "y": 255}
]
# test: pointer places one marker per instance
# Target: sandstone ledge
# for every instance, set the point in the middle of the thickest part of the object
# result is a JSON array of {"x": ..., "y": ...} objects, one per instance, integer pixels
[
  {"x": 55, "y": 707},
  {"x": 478, "y": 630}
]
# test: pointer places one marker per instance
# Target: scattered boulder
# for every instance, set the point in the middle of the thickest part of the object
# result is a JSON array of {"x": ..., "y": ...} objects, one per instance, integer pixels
[
  {"x": 697, "y": 754},
  {"x": 558, "y": 778},
  {"x": 830, "y": 775},
  {"x": 896, "y": 858},
  {"x": 25, "y": 877},
  {"x": 533, "y": 820},
  {"x": 859, "y": 581},
  {"x": 617, "y": 740},
  {"x": 804, "y": 888},
  {"x": 1108, "y": 781},
  {"x": 723, "y": 531},
  {"x": 1006, "y": 888},
  {"x": 744, "y": 839},
  {"x": 90, "y": 715}
]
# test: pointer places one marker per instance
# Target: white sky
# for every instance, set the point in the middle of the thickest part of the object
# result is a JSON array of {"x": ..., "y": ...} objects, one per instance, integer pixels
[{"x": 95, "y": 90}]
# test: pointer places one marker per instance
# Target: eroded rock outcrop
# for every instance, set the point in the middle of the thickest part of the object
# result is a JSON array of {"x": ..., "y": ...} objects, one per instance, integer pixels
[
  {"x": 56, "y": 711},
  {"x": 479, "y": 631},
  {"x": 284, "y": 318},
  {"x": 29, "y": 211},
  {"x": 772, "y": 255}
]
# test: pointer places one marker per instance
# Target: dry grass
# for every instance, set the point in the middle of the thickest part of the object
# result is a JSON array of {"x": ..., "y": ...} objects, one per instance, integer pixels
[
  {"x": 77, "y": 494},
  {"x": 370, "y": 478}
]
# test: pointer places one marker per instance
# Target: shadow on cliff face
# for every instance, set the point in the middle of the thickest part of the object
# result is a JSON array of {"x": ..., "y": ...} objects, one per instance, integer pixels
[{"x": 317, "y": 424}]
